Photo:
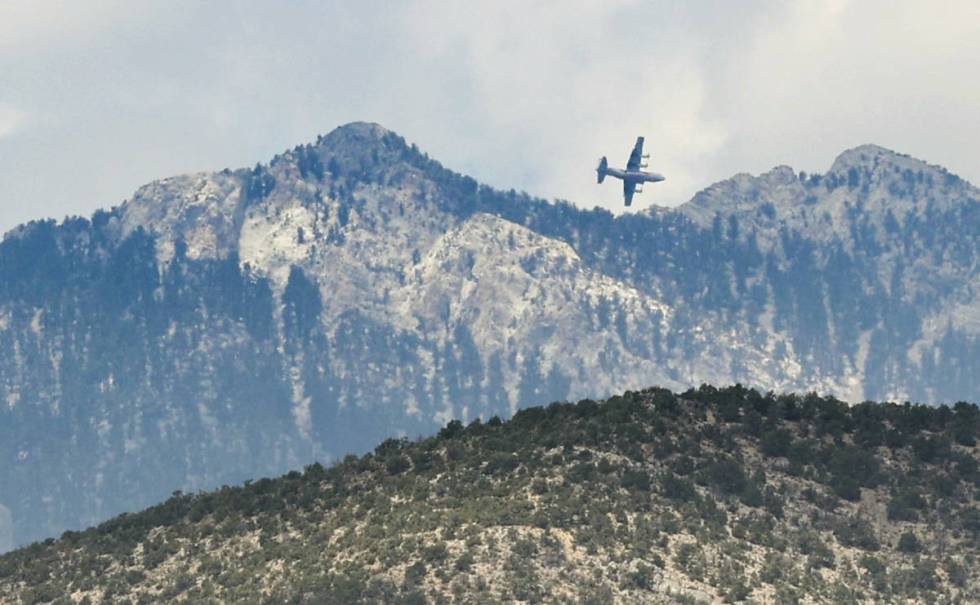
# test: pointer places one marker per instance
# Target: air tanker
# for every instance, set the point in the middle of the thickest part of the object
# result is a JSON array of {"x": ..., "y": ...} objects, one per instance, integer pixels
[{"x": 633, "y": 175}]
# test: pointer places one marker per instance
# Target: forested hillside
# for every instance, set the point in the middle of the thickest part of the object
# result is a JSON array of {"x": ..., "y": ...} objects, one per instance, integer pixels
[
  {"x": 711, "y": 495},
  {"x": 222, "y": 326}
]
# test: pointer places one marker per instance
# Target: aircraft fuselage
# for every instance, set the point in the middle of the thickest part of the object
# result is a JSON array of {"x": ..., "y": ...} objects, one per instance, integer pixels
[{"x": 636, "y": 176}]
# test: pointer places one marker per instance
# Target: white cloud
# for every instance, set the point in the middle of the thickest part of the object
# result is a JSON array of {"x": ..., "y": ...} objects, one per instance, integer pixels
[
  {"x": 819, "y": 77},
  {"x": 10, "y": 120},
  {"x": 29, "y": 26},
  {"x": 716, "y": 89},
  {"x": 549, "y": 91}
]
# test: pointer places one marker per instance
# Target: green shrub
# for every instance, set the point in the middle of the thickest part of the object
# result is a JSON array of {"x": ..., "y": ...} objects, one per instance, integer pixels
[
  {"x": 726, "y": 475},
  {"x": 465, "y": 562},
  {"x": 969, "y": 521},
  {"x": 636, "y": 480},
  {"x": 811, "y": 544},
  {"x": 905, "y": 504},
  {"x": 846, "y": 487},
  {"x": 857, "y": 533},
  {"x": 396, "y": 464},
  {"x": 414, "y": 573},
  {"x": 776, "y": 443},
  {"x": 908, "y": 543},
  {"x": 873, "y": 565},
  {"x": 678, "y": 489}
]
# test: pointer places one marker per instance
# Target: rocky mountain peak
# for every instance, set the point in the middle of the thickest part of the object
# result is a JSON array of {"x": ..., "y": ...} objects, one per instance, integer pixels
[
  {"x": 871, "y": 168},
  {"x": 866, "y": 184},
  {"x": 354, "y": 132},
  {"x": 870, "y": 157},
  {"x": 744, "y": 194},
  {"x": 300, "y": 198},
  {"x": 358, "y": 149}
]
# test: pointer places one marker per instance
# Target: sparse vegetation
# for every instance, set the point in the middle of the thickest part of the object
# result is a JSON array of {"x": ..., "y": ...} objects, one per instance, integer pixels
[{"x": 713, "y": 495}]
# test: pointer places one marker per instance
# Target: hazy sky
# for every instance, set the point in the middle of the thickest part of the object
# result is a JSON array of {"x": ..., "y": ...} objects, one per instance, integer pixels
[{"x": 99, "y": 97}]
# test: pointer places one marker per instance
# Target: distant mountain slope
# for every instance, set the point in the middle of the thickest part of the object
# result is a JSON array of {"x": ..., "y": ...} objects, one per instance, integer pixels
[
  {"x": 710, "y": 496},
  {"x": 221, "y": 326},
  {"x": 915, "y": 224}
]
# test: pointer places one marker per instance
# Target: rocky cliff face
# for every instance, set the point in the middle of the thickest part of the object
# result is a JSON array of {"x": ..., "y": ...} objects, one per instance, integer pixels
[{"x": 222, "y": 326}]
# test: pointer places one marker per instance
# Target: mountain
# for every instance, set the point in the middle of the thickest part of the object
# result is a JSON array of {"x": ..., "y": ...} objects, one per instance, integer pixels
[
  {"x": 649, "y": 497},
  {"x": 222, "y": 326}
]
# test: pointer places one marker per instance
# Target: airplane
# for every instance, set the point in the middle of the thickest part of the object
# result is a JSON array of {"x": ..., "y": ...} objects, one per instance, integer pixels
[{"x": 632, "y": 176}]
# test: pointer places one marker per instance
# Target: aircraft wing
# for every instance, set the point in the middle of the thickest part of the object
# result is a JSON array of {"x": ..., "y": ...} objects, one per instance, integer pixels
[
  {"x": 637, "y": 156},
  {"x": 629, "y": 188}
]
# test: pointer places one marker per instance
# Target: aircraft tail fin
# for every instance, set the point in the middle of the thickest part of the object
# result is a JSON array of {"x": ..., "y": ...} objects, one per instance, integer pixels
[{"x": 601, "y": 169}]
